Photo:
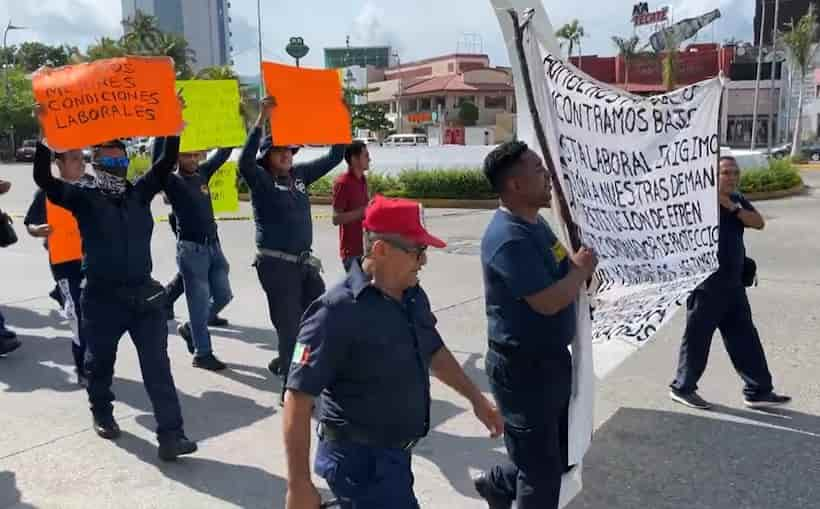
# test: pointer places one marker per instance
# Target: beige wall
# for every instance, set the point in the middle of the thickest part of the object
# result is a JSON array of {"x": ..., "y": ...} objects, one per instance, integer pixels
[
  {"x": 387, "y": 91},
  {"x": 486, "y": 76}
]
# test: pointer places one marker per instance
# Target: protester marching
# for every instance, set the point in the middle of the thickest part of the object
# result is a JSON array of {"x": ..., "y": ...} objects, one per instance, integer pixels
[{"x": 647, "y": 216}]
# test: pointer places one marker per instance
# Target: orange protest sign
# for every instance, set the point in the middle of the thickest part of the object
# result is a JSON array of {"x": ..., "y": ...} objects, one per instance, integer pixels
[
  {"x": 90, "y": 103},
  {"x": 64, "y": 243},
  {"x": 309, "y": 107}
]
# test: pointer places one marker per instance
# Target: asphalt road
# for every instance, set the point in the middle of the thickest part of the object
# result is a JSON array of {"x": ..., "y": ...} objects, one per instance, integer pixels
[{"x": 647, "y": 451}]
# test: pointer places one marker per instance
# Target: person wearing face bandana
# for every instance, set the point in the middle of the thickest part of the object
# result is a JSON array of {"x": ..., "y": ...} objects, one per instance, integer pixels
[
  {"x": 287, "y": 271},
  {"x": 119, "y": 295}
]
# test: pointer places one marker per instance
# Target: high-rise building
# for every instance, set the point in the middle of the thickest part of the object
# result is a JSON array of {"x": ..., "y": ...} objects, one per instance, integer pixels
[
  {"x": 205, "y": 24},
  {"x": 788, "y": 11}
]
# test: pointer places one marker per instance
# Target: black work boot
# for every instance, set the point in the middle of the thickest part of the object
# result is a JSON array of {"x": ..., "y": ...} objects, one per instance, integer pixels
[
  {"x": 170, "y": 449},
  {"x": 106, "y": 427},
  {"x": 494, "y": 501}
]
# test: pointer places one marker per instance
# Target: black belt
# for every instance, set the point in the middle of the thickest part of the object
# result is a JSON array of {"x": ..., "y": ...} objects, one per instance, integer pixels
[
  {"x": 336, "y": 434},
  {"x": 207, "y": 238}
]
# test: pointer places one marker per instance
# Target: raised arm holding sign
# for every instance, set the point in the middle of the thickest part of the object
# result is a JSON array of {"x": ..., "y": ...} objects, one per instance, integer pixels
[{"x": 87, "y": 104}]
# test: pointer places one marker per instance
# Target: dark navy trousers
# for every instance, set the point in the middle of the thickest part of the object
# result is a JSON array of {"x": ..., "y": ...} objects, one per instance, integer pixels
[
  {"x": 364, "y": 477},
  {"x": 726, "y": 309},
  {"x": 105, "y": 320},
  {"x": 532, "y": 393}
]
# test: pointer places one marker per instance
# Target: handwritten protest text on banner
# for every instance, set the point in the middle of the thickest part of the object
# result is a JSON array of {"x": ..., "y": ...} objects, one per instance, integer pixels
[
  {"x": 224, "y": 193},
  {"x": 212, "y": 115},
  {"x": 640, "y": 176},
  {"x": 87, "y": 104}
]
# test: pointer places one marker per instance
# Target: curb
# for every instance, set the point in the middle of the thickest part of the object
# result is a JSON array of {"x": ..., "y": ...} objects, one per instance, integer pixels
[
  {"x": 430, "y": 203},
  {"x": 775, "y": 195}
]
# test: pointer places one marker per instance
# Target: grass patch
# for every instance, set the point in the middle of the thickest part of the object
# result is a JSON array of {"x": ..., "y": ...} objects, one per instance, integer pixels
[
  {"x": 456, "y": 184},
  {"x": 780, "y": 175}
]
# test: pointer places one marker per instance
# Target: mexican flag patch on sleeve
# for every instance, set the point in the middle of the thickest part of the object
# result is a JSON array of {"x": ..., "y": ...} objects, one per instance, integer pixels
[{"x": 301, "y": 354}]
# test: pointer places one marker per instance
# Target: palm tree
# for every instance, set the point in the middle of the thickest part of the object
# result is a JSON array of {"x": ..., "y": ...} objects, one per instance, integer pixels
[
  {"x": 628, "y": 48},
  {"x": 801, "y": 40},
  {"x": 572, "y": 33},
  {"x": 142, "y": 33},
  {"x": 670, "y": 62},
  {"x": 105, "y": 48},
  {"x": 176, "y": 47},
  {"x": 219, "y": 72}
]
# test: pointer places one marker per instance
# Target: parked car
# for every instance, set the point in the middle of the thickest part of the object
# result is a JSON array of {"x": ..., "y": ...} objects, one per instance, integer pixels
[
  {"x": 811, "y": 152},
  {"x": 782, "y": 151},
  {"x": 405, "y": 140},
  {"x": 370, "y": 140},
  {"x": 26, "y": 151}
]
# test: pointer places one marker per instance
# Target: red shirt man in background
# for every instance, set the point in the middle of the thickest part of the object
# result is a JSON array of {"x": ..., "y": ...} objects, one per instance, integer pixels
[{"x": 349, "y": 202}]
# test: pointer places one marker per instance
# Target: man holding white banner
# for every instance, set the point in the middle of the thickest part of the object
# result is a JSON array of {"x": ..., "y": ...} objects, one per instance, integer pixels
[{"x": 531, "y": 286}]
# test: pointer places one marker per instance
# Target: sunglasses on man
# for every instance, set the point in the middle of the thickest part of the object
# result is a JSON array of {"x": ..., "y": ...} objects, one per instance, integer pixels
[{"x": 419, "y": 251}]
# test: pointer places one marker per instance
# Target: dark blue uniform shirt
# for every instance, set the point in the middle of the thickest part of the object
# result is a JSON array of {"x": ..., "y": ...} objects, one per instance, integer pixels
[
  {"x": 368, "y": 356},
  {"x": 731, "y": 250},
  {"x": 116, "y": 231},
  {"x": 519, "y": 259},
  {"x": 281, "y": 207},
  {"x": 190, "y": 197}
]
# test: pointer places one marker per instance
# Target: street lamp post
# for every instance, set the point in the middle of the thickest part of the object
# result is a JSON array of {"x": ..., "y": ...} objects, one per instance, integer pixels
[
  {"x": 9, "y": 26},
  {"x": 398, "y": 106},
  {"x": 757, "y": 79}
]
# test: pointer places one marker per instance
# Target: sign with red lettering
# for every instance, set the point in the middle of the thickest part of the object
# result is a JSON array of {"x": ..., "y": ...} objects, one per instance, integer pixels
[{"x": 642, "y": 16}]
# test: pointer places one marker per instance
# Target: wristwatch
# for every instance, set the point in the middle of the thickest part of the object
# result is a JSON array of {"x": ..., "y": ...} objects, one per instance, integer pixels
[{"x": 736, "y": 210}]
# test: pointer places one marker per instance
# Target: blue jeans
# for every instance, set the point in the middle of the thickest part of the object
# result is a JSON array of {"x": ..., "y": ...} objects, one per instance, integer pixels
[
  {"x": 204, "y": 272},
  {"x": 364, "y": 477}
]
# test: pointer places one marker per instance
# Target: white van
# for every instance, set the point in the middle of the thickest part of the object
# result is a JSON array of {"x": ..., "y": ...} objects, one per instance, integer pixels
[{"x": 405, "y": 140}]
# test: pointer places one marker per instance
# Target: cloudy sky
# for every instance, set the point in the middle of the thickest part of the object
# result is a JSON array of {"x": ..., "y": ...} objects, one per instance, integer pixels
[{"x": 416, "y": 28}]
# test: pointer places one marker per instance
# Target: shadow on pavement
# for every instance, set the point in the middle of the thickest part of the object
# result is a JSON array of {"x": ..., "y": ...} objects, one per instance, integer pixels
[
  {"x": 455, "y": 455},
  {"x": 212, "y": 414},
  {"x": 10, "y": 496},
  {"x": 725, "y": 458},
  {"x": 238, "y": 485},
  {"x": 263, "y": 338},
  {"x": 40, "y": 363}
]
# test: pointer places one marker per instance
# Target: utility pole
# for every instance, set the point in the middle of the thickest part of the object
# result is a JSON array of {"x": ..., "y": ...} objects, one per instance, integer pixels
[
  {"x": 6, "y": 66},
  {"x": 771, "y": 85},
  {"x": 398, "y": 107},
  {"x": 757, "y": 79}
]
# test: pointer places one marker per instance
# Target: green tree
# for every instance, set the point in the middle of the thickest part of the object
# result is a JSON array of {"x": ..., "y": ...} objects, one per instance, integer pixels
[
  {"x": 572, "y": 33},
  {"x": 219, "y": 72},
  {"x": 16, "y": 107},
  {"x": 468, "y": 113},
  {"x": 142, "y": 34},
  {"x": 370, "y": 116},
  {"x": 105, "y": 48},
  {"x": 801, "y": 39},
  {"x": 176, "y": 47},
  {"x": 628, "y": 49},
  {"x": 33, "y": 55},
  {"x": 669, "y": 62}
]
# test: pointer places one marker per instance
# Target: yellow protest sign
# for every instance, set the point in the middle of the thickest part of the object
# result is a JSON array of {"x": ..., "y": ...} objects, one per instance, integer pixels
[
  {"x": 224, "y": 193},
  {"x": 212, "y": 115}
]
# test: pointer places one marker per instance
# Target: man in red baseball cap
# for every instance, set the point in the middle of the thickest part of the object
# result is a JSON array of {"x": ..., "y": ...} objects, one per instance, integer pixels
[{"x": 366, "y": 348}]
